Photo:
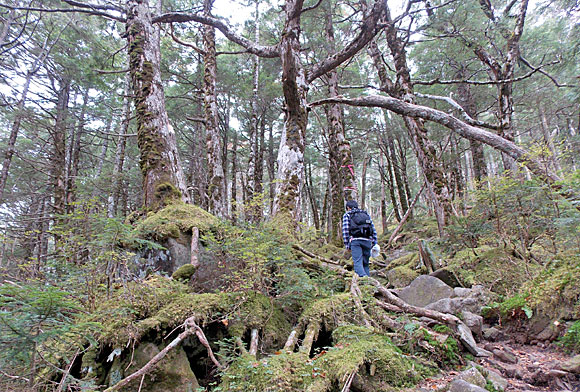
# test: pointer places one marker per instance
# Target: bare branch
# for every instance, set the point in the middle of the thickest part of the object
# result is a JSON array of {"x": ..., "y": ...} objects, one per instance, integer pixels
[
  {"x": 468, "y": 119},
  {"x": 461, "y": 128},
  {"x": 67, "y": 10},
  {"x": 252, "y": 47},
  {"x": 181, "y": 42},
  {"x": 110, "y": 72},
  {"x": 485, "y": 82},
  {"x": 93, "y": 6},
  {"x": 312, "y": 7},
  {"x": 368, "y": 30},
  {"x": 527, "y": 64}
]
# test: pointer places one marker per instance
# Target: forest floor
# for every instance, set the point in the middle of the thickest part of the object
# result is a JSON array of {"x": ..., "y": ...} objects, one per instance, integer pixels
[{"x": 536, "y": 368}]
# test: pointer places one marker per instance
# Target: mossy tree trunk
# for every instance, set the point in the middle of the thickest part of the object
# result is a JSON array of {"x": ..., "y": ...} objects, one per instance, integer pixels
[
  {"x": 216, "y": 177},
  {"x": 467, "y": 102},
  {"x": 503, "y": 73},
  {"x": 163, "y": 178},
  {"x": 343, "y": 186},
  {"x": 58, "y": 141},
  {"x": 424, "y": 148},
  {"x": 291, "y": 152},
  {"x": 114, "y": 197}
]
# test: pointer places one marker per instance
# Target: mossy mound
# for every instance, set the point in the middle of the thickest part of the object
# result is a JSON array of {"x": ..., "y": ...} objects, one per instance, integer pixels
[
  {"x": 160, "y": 304},
  {"x": 174, "y": 219},
  {"x": 495, "y": 268},
  {"x": 378, "y": 365},
  {"x": 184, "y": 273},
  {"x": 403, "y": 270},
  {"x": 555, "y": 291}
]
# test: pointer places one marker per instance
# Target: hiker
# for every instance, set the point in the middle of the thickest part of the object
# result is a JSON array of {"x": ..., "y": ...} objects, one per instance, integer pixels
[{"x": 359, "y": 235}]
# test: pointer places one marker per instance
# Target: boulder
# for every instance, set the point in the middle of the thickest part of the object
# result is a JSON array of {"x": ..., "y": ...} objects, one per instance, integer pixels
[
  {"x": 497, "y": 381},
  {"x": 447, "y": 276},
  {"x": 463, "y": 386},
  {"x": 505, "y": 356},
  {"x": 492, "y": 334},
  {"x": 472, "y": 376},
  {"x": 474, "y": 322},
  {"x": 572, "y": 365},
  {"x": 446, "y": 305},
  {"x": 172, "y": 374},
  {"x": 425, "y": 290},
  {"x": 466, "y": 338}
]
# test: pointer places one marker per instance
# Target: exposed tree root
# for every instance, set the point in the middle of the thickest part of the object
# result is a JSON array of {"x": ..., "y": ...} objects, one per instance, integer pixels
[
  {"x": 190, "y": 328},
  {"x": 291, "y": 341},
  {"x": 355, "y": 294},
  {"x": 254, "y": 343}
]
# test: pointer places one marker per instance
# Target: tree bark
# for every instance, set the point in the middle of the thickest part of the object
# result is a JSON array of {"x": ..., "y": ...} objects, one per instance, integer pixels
[
  {"x": 545, "y": 127},
  {"x": 291, "y": 152},
  {"x": 163, "y": 178},
  {"x": 58, "y": 159},
  {"x": 120, "y": 152}
]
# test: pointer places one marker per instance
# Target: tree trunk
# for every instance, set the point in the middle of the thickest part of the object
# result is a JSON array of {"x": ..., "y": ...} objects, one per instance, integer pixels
[
  {"x": 387, "y": 176},
  {"x": 251, "y": 212},
  {"x": 397, "y": 173},
  {"x": 10, "y": 148},
  {"x": 58, "y": 159},
  {"x": 363, "y": 177},
  {"x": 505, "y": 73},
  {"x": 271, "y": 167},
  {"x": 75, "y": 154},
  {"x": 291, "y": 153},
  {"x": 216, "y": 181},
  {"x": 545, "y": 127},
  {"x": 163, "y": 178},
  {"x": 120, "y": 152},
  {"x": 312, "y": 199},
  {"x": 422, "y": 145},
  {"x": 467, "y": 102},
  {"x": 234, "y": 184}
]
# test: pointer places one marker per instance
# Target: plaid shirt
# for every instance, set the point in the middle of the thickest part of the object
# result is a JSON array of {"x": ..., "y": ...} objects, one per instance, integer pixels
[{"x": 346, "y": 229}]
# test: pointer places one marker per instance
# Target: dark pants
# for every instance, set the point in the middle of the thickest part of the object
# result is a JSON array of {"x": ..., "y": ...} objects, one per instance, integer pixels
[{"x": 361, "y": 252}]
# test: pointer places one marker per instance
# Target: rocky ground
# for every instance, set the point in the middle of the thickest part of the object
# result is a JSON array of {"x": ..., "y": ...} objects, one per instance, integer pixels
[{"x": 517, "y": 367}]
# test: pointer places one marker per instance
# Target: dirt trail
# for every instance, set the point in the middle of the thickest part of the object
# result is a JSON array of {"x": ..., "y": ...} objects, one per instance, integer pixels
[{"x": 525, "y": 367}]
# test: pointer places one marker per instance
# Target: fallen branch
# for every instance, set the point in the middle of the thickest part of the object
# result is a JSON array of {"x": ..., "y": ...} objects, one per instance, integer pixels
[
  {"x": 314, "y": 256},
  {"x": 348, "y": 383}
]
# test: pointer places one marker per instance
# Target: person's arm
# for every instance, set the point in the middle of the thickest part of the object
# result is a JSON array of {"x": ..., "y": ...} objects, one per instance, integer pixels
[
  {"x": 346, "y": 231},
  {"x": 375, "y": 237}
]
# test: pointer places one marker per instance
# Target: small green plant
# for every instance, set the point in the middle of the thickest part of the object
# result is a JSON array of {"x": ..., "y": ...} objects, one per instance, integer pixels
[
  {"x": 571, "y": 339},
  {"x": 513, "y": 308}
]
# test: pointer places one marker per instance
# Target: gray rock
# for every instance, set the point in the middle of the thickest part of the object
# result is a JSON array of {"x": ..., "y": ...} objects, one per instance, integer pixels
[
  {"x": 445, "y": 305},
  {"x": 496, "y": 380},
  {"x": 466, "y": 338},
  {"x": 462, "y": 292},
  {"x": 472, "y": 376},
  {"x": 474, "y": 322},
  {"x": 447, "y": 276},
  {"x": 425, "y": 290},
  {"x": 572, "y": 365},
  {"x": 464, "y": 386},
  {"x": 505, "y": 356},
  {"x": 492, "y": 334}
]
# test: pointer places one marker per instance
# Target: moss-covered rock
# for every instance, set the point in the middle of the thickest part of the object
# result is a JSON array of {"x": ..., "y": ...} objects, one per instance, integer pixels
[
  {"x": 172, "y": 374},
  {"x": 184, "y": 273},
  {"x": 174, "y": 219}
]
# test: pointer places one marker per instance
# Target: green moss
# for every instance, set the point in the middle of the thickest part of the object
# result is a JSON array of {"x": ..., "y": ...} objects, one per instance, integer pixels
[
  {"x": 173, "y": 219},
  {"x": 184, "y": 273},
  {"x": 372, "y": 355},
  {"x": 160, "y": 304},
  {"x": 329, "y": 312},
  {"x": 402, "y": 276},
  {"x": 494, "y": 268}
]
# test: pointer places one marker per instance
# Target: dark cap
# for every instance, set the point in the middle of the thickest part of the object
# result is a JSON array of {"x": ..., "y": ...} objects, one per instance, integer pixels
[{"x": 351, "y": 204}]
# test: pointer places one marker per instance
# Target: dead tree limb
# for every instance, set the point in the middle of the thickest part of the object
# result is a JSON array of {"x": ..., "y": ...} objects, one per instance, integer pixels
[
  {"x": 291, "y": 341},
  {"x": 314, "y": 256}
]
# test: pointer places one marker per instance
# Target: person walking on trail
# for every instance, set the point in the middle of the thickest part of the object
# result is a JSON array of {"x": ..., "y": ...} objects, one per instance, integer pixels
[{"x": 359, "y": 235}]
